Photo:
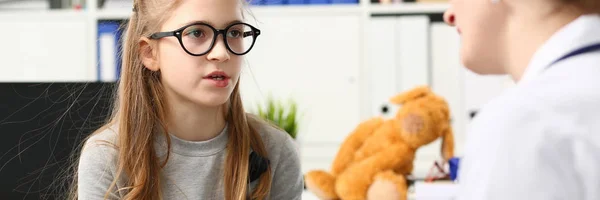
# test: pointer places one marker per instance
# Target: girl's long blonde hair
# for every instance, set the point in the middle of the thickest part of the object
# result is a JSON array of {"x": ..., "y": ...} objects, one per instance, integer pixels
[{"x": 140, "y": 110}]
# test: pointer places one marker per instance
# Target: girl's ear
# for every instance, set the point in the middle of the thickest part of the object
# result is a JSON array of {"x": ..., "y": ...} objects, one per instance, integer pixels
[{"x": 148, "y": 54}]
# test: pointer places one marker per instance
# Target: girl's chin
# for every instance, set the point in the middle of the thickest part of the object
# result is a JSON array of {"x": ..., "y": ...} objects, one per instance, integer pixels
[{"x": 212, "y": 99}]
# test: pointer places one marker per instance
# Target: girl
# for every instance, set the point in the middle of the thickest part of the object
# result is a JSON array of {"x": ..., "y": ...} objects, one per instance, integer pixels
[
  {"x": 541, "y": 139},
  {"x": 179, "y": 130}
]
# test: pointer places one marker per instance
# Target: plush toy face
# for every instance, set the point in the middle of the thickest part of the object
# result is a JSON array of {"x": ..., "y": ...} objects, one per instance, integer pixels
[{"x": 422, "y": 116}]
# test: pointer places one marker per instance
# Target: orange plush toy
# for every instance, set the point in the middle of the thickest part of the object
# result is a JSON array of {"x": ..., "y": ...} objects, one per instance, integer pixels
[{"x": 375, "y": 158}]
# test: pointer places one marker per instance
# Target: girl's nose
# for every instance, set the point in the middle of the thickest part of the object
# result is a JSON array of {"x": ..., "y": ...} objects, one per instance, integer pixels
[
  {"x": 219, "y": 52},
  {"x": 449, "y": 17}
]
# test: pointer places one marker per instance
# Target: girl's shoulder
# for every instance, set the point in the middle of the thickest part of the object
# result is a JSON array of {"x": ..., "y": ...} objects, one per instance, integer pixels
[
  {"x": 105, "y": 136},
  {"x": 284, "y": 159},
  {"x": 101, "y": 147},
  {"x": 271, "y": 134},
  {"x": 97, "y": 167},
  {"x": 278, "y": 143}
]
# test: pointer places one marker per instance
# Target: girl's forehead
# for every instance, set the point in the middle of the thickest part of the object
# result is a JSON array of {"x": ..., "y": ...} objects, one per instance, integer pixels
[{"x": 218, "y": 13}]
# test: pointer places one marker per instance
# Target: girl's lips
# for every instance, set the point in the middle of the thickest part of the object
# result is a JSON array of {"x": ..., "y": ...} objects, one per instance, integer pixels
[
  {"x": 214, "y": 74},
  {"x": 220, "y": 83},
  {"x": 218, "y": 79}
]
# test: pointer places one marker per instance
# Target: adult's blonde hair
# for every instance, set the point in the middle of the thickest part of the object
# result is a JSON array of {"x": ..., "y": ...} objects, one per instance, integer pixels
[{"x": 140, "y": 110}]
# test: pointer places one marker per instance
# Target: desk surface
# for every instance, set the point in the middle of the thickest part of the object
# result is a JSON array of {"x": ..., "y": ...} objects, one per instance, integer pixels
[{"x": 306, "y": 195}]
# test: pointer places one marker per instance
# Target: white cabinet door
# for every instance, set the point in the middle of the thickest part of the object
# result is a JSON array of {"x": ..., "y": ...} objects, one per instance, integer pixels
[
  {"x": 448, "y": 78},
  {"x": 51, "y": 49},
  {"x": 412, "y": 51},
  {"x": 382, "y": 64},
  {"x": 314, "y": 60},
  {"x": 398, "y": 58}
]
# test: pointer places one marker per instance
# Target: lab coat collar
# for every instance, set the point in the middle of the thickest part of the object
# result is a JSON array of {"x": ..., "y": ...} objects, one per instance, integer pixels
[{"x": 583, "y": 31}]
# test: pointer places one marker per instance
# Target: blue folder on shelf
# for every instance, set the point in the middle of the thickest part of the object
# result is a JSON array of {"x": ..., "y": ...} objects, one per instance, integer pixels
[
  {"x": 297, "y": 2},
  {"x": 108, "y": 45},
  {"x": 344, "y": 1},
  {"x": 257, "y": 2},
  {"x": 274, "y": 2},
  {"x": 319, "y": 1}
]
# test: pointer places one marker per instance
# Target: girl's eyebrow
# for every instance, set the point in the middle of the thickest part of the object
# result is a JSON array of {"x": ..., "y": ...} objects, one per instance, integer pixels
[{"x": 211, "y": 24}]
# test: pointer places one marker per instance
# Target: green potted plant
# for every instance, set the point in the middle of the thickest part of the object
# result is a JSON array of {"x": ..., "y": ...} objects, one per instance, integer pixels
[{"x": 282, "y": 115}]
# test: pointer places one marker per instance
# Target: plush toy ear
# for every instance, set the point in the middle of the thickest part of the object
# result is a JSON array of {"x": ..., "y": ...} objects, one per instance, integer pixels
[
  {"x": 447, "y": 144},
  {"x": 410, "y": 95}
]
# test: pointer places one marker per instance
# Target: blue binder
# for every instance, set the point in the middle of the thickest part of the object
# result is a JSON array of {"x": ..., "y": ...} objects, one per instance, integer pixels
[
  {"x": 112, "y": 28},
  {"x": 294, "y": 2},
  {"x": 344, "y": 1},
  {"x": 257, "y": 2},
  {"x": 319, "y": 1},
  {"x": 274, "y": 2}
]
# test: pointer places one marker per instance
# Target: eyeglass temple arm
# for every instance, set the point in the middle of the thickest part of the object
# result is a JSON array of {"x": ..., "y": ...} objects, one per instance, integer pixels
[
  {"x": 250, "y": 33},
  {"x": 161, "y": 35}
]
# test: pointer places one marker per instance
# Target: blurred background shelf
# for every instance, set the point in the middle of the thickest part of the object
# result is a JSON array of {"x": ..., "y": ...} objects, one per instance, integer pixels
[
  {"x": 408, "y": 8},
  {"x": 121, "y": 9},
  {"x": 318, "y": 10},
  {"x": 43, "y": 14},
  {"x": 113, "y": 14}
]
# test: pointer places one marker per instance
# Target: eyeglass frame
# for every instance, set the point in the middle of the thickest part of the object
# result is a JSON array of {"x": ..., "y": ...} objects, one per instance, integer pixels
[{"x": 255, "y": 32}]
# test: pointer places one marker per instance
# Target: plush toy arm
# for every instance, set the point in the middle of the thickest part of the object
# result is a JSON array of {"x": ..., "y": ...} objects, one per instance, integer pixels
[
  {"x": 447, "y": 144},
  {"x": 353, "y": 142},
  {"x": 355, "y": 181}
]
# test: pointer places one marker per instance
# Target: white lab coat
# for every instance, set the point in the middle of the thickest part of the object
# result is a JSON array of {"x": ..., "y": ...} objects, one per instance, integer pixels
[{"x": 541, "y": 139}]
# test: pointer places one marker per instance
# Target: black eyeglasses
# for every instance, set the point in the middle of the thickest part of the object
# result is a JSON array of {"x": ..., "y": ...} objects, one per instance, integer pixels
[{"x": 199, "y": 38}]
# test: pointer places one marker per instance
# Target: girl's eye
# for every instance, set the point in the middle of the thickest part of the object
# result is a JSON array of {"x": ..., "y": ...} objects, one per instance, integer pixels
[
  {"x": 234, "y": 34},
  {"x": 195, "y": 33}
]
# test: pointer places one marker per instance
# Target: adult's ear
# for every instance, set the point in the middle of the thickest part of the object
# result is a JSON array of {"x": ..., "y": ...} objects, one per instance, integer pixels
[{"x": 148, "y": 54}]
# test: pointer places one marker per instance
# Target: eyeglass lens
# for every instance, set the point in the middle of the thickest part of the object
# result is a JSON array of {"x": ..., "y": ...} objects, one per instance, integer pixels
[{"x": 197, "y": 39}]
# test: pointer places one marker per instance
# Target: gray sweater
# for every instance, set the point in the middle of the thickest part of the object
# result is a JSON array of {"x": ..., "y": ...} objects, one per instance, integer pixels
[{"x": 194, "y": 170}]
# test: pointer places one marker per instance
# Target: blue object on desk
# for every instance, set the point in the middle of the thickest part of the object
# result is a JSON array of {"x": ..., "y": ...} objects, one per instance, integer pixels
[{"x": 454, "y": 164}]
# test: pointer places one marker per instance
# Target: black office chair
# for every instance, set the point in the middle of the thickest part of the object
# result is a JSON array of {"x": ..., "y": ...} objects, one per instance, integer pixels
[{"x": 40, "y": 125}]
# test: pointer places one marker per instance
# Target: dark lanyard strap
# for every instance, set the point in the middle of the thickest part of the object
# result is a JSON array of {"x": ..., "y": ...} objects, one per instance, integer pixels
[{"x": 583, "y": 50}]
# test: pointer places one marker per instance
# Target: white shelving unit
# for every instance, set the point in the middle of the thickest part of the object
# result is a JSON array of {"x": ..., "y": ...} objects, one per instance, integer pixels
[
  {"x": 325, "y": 9},
  {"x": 92, "y": 15},
  {"x": 408, "y": 8}
]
